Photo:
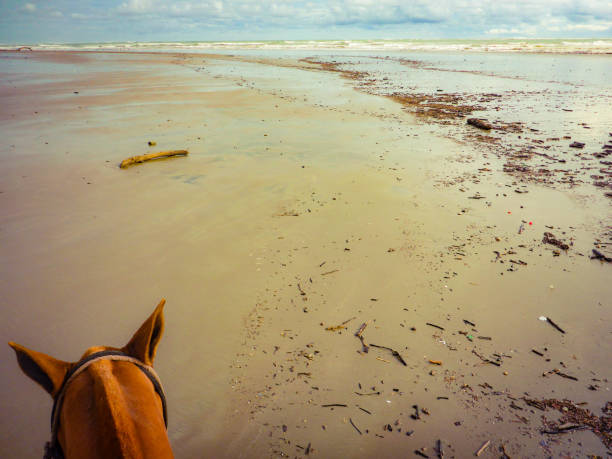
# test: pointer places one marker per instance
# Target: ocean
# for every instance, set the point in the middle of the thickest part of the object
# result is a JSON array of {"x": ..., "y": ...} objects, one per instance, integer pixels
[{"x": 517, "y": 45}]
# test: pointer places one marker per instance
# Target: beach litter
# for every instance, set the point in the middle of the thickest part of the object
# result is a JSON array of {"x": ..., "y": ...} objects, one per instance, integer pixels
[
  {"x": 484, "y": 446},
  {"x": 549, "y": 238},
  {"x": 151, "y": 156},
  {"x": 550, "y": 321},
  {"x": 393, "y": 352},
  {"x": 481, "y": 124},
  {"x": 597, "y": 255}
]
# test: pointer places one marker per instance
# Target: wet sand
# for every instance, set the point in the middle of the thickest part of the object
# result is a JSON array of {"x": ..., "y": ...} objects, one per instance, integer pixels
[{"x": 302, "y": 204}]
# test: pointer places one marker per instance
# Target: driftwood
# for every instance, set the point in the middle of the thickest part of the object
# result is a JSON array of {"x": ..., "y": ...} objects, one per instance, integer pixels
[
  {"x": 479, "y": 123},
  {"x": 550, "y": 321},
  {"x": 393, "y": 352},
  {"x": 142, "y": 158},
  {"x": 359, "y": 334},
  {"x": 549, "y": 238},
  {"x": 598, "y": 255},
  {"x": 356, "y": 428},
  {"x": 338, "y": 327},
  {"x": 484, "y": 446}
]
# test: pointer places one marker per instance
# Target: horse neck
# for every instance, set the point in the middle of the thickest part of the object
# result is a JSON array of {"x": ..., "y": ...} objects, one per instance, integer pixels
[{"x": 112, "y": 410}]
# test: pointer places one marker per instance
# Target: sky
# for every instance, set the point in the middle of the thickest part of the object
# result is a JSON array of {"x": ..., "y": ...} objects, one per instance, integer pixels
[{"x": 87, "y": 21}]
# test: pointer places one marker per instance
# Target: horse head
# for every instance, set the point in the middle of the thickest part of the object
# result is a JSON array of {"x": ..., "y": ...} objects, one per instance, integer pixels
[{"x": 110, "y": 403}]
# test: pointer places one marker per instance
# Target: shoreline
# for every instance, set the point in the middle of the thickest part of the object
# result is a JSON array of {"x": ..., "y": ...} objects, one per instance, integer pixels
[{"x": 288, "y": 189}]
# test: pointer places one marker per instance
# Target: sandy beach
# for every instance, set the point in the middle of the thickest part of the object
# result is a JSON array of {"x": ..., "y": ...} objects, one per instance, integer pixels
[{"x": 311, "y": 203}]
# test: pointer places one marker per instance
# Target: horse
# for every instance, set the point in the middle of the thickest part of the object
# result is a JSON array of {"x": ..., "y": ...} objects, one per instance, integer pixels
[{"x": 110, "y": 403}]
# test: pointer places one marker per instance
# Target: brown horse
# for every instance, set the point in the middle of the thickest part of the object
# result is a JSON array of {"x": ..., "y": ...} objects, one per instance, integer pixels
[{"x": 108, "y": 404}]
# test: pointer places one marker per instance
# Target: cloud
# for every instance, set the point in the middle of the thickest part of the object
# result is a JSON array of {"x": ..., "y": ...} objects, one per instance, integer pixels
[
  {"x": 484, "y": 16},
  {"x": 600, "y": 27},
  {"x": 305, "y": 19},
  {"x": 29, "y": 8},
  {"x": 141, "y": 6}
]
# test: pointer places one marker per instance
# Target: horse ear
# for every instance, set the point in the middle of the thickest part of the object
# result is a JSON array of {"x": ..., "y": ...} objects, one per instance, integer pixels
[
  {"x": 42, "y": 368},
  {"x": 143, "y": 344}
]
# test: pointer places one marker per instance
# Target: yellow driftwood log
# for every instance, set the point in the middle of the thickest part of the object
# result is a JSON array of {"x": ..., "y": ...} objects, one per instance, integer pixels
[{"x": 142, "y": 158}]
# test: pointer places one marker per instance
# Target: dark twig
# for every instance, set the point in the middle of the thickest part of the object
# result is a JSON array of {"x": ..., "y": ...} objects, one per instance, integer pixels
[
  {"x": 333, "y": 404},
  {"x": 359, "y": 334},
  {"x": 439, "y": 449},
  {"x": 560, "y": 373},
  {"x": 550, "y": 321},
  {"x": 434, "y": 325},
  {"x": 561, "y": 430},
  {"x": 394, "y": 352},
  {"x": 356, "y": 428},
  {"x": 484, "y": 359}
]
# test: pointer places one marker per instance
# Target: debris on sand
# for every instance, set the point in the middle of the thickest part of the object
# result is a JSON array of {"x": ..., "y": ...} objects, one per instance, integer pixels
[
  {"x": 549, "y": 238},
  {"x": 142, "y": 158},
  {"x": 484, "y": 446},
  {"x": 551, "y": 322},
  {"x": 600, "y": 256},
  {"x": 574, "y": 417},
  {"x": 393, "y": 352},
  {"x": 481, "y": 124}
]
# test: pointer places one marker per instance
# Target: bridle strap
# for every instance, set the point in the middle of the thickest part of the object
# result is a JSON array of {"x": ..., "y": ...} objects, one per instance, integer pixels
[{"x": 53, "y": 448}]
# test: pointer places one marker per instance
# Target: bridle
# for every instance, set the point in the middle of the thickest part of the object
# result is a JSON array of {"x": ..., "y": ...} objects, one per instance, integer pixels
[{"x": 53, "y": 449}]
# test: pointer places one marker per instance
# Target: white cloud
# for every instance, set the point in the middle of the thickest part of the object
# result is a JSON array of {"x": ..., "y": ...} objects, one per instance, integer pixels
[
  {"x": 140, "y": 6},
  {"x": 290, "y": 19},
  {"x": 592, "y": 27},
  {"x": 29, "y": 7}
]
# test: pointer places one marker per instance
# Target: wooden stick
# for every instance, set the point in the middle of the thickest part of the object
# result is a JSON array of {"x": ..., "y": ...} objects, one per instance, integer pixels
[
  {"x": 550, "y": 321},
  {"x": 359, "y": 334},
  {"x": 484, "y": 446},
  {"x": 361, "y": 329},
  {"x": 394, "y": 352},
  {"x": 341, "y": 326},
  {"x": 440, "y": 450},
  {"x": 142, "y": 158},
  {"x": 561, "y": 430},
  {"x": 356, "y": 428},
  {"x": 484, "y": 359}
]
